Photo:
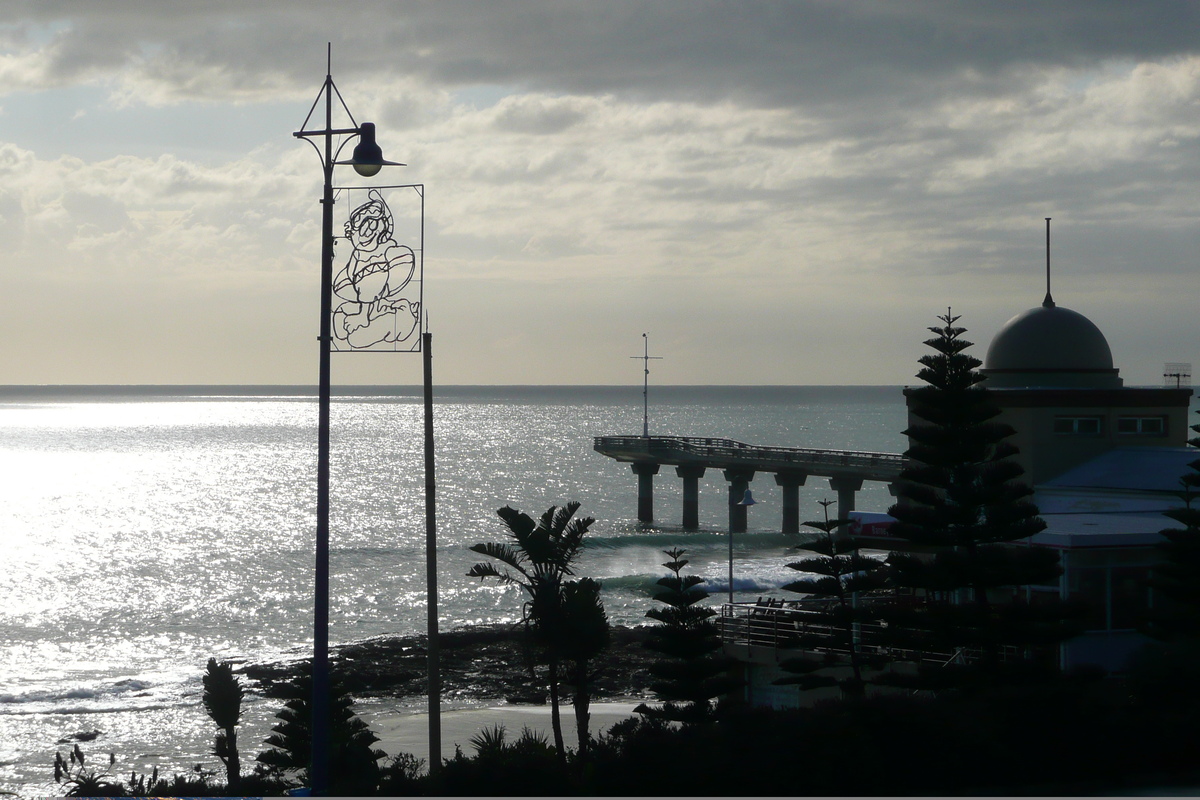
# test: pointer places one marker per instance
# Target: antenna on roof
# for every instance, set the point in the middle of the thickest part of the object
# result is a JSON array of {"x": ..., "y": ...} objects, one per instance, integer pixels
[
  {"x": 1049, "y": 301},
  {"x": 1178, "y": 371}
]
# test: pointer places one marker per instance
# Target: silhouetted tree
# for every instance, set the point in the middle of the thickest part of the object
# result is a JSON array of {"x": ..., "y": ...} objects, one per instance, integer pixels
[
  {"x": 961, "y": 500},
  {"x": 540, "y": 559},
  {"x": 584, "y": 635},
  {"x": 354, "y": 763},
  {"x": 1176, "y": 578},
  {"x": 223, "y": 704},
  {"x": 692, "y": 674},
  {"x": 837, "y": 573}
]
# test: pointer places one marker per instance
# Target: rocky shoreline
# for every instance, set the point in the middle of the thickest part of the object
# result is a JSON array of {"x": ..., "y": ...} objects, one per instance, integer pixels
[{"x": 487, "y": 662}]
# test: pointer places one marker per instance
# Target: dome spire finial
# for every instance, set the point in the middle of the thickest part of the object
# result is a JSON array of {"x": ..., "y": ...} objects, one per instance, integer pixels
[{"x": 1049, "y": 301}]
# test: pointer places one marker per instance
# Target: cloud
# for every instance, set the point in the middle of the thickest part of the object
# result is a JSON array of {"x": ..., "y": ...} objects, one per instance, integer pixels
[
  {"x": 776, "y": 53},
  {"x": 738, "y": 172},
  {"x": 539, "y": 115}
]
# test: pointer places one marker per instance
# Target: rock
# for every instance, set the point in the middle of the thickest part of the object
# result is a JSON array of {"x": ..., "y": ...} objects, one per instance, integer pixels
[
  {"x": 489, "y": 662},
  {"x": 531, "y": 698}
]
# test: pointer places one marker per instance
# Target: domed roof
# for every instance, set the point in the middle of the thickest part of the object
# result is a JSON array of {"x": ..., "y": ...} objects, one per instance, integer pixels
[{"x": 1050, "y": 345}]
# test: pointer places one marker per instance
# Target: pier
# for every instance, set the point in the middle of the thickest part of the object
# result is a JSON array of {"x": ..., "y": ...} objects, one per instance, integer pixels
[{"x": 693, "y": 456}]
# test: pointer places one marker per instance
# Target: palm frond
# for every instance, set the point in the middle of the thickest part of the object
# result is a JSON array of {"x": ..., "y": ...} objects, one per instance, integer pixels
[
  {"x": 562, "y": 516},
  {"x": 487, "y": 570},
  {"x": 504, "y": 553},
  {"x": 518, "y": 522},
  {"x": 490, "y": 741}
]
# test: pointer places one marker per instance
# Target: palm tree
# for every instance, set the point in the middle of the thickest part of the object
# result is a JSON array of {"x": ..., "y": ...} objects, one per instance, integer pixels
[
  {"x": 539, "y": 559},
  {"x": 223, "y": 703},
  {"x": 582, "y": 637}
]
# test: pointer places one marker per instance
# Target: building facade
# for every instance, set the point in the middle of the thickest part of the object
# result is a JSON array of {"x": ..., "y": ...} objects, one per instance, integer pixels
[{"x": 1105, "y": 461}]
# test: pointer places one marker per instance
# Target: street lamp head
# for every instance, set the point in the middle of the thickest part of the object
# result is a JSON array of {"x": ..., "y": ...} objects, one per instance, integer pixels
[
  {"x": 367, "y": 158},
  {"x": 748, "y": 500},
  {"x": 368, "y": 155}
]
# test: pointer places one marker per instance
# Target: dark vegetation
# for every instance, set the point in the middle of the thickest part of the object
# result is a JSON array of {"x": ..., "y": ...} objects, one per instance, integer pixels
[
  {"x": 223, "y": 704},
  {"x": 835, "y": 571},
  {"x": 962, "y": 507},
  {"x": 985, "y": 723},
  {"x": 692, "y": 674},
  {"x": 1175, "y": 578},
  {"x": 564, "y": 619},
  {"x": 353, "y": 762},
  {"x": 1061, "y": 738}
]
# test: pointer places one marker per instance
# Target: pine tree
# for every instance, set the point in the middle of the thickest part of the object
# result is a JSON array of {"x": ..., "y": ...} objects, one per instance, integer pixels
[
  {"x": 692, "y": 674},
  {"x": 1177, "y": 578},
  {"x": 354, "y": 763},
  {"x": 837, "y": 573},
  {"x": 962, "y": 509}
]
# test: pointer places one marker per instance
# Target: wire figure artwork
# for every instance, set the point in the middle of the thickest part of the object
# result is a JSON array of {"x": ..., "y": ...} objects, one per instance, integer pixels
[{"x": 377, "y": 302}]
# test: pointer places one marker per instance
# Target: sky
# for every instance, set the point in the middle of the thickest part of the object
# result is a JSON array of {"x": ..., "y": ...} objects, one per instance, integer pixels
[{"x": 775, "y": 192}]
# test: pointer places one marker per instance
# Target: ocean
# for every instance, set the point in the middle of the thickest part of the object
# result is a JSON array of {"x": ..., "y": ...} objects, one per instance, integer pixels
[{"x": 147, "y": 530}]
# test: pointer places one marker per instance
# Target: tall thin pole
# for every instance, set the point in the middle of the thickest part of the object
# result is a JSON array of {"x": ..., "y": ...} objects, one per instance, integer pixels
[
  {"x": 646, "y": 386},
  {"x": 321, "y": 681},
  {"x": 731, "y": 560},
  {"x": 435, "y": 679},
  {"x": 747, "y": 500},
  {"x": 646, "y": 358},
  {"x": 365, "y": 164},
  {"x": 1049, "y": 301}
]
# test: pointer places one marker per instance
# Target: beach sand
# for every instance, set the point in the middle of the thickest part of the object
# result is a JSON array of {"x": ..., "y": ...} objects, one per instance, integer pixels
[{"x": 409, "y": 732}]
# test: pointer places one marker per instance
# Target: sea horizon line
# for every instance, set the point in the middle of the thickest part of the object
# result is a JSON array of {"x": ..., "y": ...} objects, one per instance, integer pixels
[{"x": 10, "y": 391}]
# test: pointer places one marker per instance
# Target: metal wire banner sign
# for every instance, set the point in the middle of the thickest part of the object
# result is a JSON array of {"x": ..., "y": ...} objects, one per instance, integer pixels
[{"x": 378, "y": 276}]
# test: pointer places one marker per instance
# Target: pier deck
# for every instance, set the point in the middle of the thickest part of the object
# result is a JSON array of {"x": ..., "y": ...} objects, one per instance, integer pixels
[
  {"x": 726, "y": 453},
  {"x": 692, "y": 456}
]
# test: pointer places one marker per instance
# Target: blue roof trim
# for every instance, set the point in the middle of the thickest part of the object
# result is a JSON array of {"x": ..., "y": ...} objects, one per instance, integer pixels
[{"x": 1135, "y": 469}]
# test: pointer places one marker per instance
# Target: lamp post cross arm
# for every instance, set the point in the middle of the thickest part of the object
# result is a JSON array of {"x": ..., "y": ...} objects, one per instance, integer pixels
[{"x": 326, "y": 132}]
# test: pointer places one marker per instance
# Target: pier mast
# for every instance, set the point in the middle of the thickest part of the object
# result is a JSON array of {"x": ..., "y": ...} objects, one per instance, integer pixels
[{"x": 646, "y": 358}]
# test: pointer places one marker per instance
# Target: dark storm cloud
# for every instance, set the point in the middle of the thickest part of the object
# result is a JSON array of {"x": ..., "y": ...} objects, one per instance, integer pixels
[
  {"x": 754, "y": 53},
  {"x": 785, "y": 53}
]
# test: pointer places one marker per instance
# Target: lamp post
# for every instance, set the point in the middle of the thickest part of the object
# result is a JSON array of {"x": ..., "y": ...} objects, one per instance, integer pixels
[
  {"x": 367, "y": 159},
  {"x": 747, "y": 500}
]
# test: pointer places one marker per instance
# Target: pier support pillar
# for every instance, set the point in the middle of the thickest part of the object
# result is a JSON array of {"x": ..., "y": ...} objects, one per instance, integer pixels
[
  {"x": 790, "y": 482},
  {"x": 845, "y": 487},
  {"x": 739, "y": 481},
  {"x": 691, "y": 494},
  {"x": 645, "y": 470}
]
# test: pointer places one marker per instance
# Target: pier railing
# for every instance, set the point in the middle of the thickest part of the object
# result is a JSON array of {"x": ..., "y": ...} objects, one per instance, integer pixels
[
  {"x": 748, "y": 629},
  {"x": 701, "y": 450}
]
